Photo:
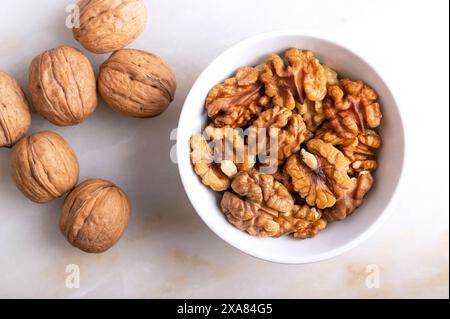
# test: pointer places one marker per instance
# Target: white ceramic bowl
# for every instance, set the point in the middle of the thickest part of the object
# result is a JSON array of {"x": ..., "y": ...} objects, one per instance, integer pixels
[{"x": 339, "y": 236}]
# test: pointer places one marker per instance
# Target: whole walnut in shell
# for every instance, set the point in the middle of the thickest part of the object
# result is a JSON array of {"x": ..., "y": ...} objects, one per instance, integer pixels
[
  {"x": 109, "y": 25},
  {"x": 95, "y": 215},
  {"x": 136, "y": 83},
  {"x": 15, "y": 118},
  {"x": 62, "y": 86},
  {"x": 44, "y": 166}
]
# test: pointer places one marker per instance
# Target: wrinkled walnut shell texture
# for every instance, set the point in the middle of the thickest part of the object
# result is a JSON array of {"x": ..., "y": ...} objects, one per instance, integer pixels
[
  {"x": 15, "y": 117},
  {"x": 109, "y": 25},
  {"x": 44, "y": 166},
  {"x": 62, "y": 86},
  {"x": 95, "y": 215},
  {"x": 137, "y": 83}
]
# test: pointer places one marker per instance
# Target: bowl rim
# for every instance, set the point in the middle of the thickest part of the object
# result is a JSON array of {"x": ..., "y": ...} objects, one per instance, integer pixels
[{"x": 357, "y": 240}]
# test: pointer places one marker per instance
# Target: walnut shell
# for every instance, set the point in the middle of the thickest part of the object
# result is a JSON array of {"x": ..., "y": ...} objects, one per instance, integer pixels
[
  {"x": 136, "y": 83},
  {"x": 109, "y": 25},
  {"x": 62, "y": 86},
  {"x": 95, "y": 215},
  {"x": 15, "y": 117},
  {"x": 44, "y": 166}
]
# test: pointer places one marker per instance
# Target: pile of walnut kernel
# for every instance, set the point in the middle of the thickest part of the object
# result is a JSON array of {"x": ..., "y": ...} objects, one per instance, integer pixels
[{"x": 326, "y": 145}]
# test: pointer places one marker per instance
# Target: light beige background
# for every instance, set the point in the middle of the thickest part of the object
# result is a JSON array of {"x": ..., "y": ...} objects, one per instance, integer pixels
[{"x": 167, "y": 250}]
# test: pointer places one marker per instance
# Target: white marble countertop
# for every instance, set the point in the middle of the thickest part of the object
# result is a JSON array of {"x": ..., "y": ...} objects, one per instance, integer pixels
[{"x": 167, "y": 250}]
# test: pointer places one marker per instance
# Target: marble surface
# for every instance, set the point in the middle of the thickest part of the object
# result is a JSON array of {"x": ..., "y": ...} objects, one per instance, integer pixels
[{"x": 167, "y": 250}]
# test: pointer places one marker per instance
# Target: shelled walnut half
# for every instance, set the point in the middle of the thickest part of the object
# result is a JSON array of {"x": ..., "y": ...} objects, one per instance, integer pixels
[
  {"x": 263, "y": 189},
  {"x": 303, "y": 222},
  {"x": 352, "y": 199},
  {"x": 264, "y": 207},
  {"x": 230, "y": 150},
  {"x": 359, "y": 150},
  {"x": 303, "y": 77},
  {"x": 287, "y": 126},
  {"x": 320, "y": 176},
  {"x": 204, "y": 166},
  {"x": 312, "y": 114},
  {"x": 350, "y": 107},
  {"x": 234, "y": 102}
]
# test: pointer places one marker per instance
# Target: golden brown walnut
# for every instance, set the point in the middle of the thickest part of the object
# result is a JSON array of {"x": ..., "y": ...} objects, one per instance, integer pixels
[
  {"x": 283, "y": 177},
  {"x": 304, "y": 77},
  {"x": 312, "y": 114},
  {"x": 303, "y": 222},
  {"x": 352, "y": 199},
  {"x": 230, "y": 150},
  {"x": 276, "y": 117},
  {"x": 202, "y": 158},
  {"x": 264, "y": 199},
  {"x": 290, "y": 138},
  {"x": 15, "y": 117},
  {"x": 309, "y": 183},
  {"x": 249, "y": 216},
  {"x": 223, "y": 157},
  {"x": 366, "y": 97},
  {"x": 62, "y": 86},
  {"x": 314, "y": 75},
  {"x": 333, "y": 164},
  {"x": 327, "y": 134},
  {"x": 245, "y": 162},
  {"x": 320, "y": 175},
  {"x": 109, "y": 25},
  {"x": 288, "y": 126},
  {"x": 331, "y": 75},
  {"x": 234, "y": 102},
  {"x": 95, "y": 215},
  {"x": 263, "y": 189},
  {"x": 360, "y": 151},
  {"x": 136, "y": 83},
  {"x": 44, "y": 166},
  {"x": 259, "y": 220},
  {"x": 279, "y": 82},
  {"x": 370, "y": 138},
  {"x": 350, "y": 107}
]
